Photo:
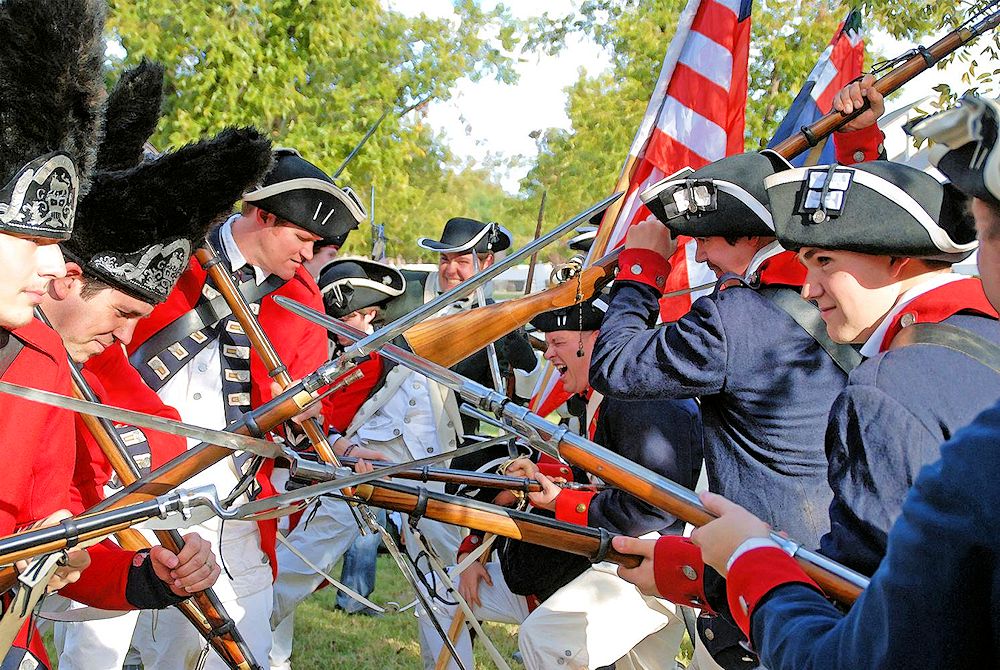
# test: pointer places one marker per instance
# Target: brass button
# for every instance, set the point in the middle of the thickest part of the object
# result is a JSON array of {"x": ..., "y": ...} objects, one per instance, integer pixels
[
  {"x": 581, "y": 508},
  {"x": 859, "y": 155},
  {"x": 907, "y": 320},
  {"x": 689, "y": 572},
  {"x": 709, "y": 634},
  {"x": 636, "y": 269}
]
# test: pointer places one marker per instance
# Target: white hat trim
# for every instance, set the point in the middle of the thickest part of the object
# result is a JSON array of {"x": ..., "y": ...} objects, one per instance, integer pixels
[
  {"x": 468, "y": 245},
  {"x": 367, "y": 283},
  {"x": 755, "y": 206},
  {"x": 308, "y": 184},
  {"x": 889, "y": 191}
]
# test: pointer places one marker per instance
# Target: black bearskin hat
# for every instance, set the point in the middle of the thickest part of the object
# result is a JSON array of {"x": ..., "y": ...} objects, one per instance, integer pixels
[
  {"x": 51, "y": 97},
  {"x": 133, "y": 112},
  {"x": 138, "y": 227}
]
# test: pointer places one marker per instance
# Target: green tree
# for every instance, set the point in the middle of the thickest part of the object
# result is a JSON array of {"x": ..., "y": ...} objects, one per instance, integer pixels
[
  {"x": 581, "y": 164},
  {"x": 316, "y": 74}
]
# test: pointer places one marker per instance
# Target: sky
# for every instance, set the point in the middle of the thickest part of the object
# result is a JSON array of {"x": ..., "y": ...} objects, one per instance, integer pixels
[
  {"x": 491, "y": 119},
  {"x": 488, "y": 119}
]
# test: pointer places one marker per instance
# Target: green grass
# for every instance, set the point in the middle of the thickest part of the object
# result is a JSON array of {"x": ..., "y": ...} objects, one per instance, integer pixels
[{"x": 328, "y": 638}]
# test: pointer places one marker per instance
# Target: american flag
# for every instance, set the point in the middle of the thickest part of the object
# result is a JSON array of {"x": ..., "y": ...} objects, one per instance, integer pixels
[
  {"x": 695, "y": 116},
  {"x": 840, "y": 63}
]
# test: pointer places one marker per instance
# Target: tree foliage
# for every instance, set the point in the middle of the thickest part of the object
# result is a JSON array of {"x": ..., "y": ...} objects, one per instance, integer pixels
[
  {"x": 788, "y": 36},
  {"x": 316, "y": 74}
]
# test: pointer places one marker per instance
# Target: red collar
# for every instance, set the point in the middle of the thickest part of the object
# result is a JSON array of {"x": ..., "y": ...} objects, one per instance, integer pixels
[
  {"x": 782, "y": 269},
  {"x": 965, "y": 295}
]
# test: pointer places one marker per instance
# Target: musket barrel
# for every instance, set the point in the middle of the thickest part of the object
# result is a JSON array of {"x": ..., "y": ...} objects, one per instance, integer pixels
[{"x": 591, "y": 543}]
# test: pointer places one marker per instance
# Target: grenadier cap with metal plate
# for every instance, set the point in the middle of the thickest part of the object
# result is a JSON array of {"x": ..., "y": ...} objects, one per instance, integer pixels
[
  {"x": 965, "y": 148},
  {"x": 462, "y": 235},
  {"x": 51, "y": 96},
  {"x": 724, "y": 198},
  {"x": 301, "y": 193},
  {"x": 350, "y": 284},
  {"x": 586, "y": 315},
  {"x": 878, "y": 207},
  {"x": 137, "y": 227}
]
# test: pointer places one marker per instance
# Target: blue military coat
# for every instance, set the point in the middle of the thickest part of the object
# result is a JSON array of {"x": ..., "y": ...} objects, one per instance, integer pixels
[
  {"x": 766, "y": 388},
  {"x": 897, "y": 409},
  {"x": 934, "y": 601}
]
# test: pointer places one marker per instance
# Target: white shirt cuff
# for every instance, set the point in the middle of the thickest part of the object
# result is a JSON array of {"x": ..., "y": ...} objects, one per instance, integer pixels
[{"x": 748, "y": 545}]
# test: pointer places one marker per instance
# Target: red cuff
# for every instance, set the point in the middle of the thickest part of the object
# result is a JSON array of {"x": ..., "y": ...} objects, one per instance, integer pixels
[
  {"x": 469, "y": 544},
  {"x": 103, "y": 583},
  {"x": 555, "y": 469},
  {"x": 856, "y": 146},
  {"x": 755, "y": 574},
  {"x": 644, "y": 266},
  {"x": 680, "y": 572},
  {"x": 574, "y": 506}
]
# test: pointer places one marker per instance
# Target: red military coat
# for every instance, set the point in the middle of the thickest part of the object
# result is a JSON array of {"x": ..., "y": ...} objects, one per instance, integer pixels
[
  {"x": 300, "y": 344},
  {"x": 115, "y": 382},
  {"x": 39, "y": 465}
]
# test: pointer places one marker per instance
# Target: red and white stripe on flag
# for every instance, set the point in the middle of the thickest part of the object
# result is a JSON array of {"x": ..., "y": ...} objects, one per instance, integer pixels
[
  {"x": 840, "y": 64},
  {"x": 695, "y": 116},
  {"x": 698, "y": 118}
]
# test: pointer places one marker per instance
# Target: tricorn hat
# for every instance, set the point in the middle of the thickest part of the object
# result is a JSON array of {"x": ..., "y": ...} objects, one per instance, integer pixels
[
  {"x": 138, "y": 227},
  {"x": 299, "y": 192},
  {"x": 724, "y": 198},
  {"x": 877, "y": 207},
  {"x": 349, "y": 284},
  {"x": 461, "y": 235},
  {"x": 586, "y": 315},
  {"x": 584, "y": 238},
  {"x": 51, "y": 97},
  {"x": 966, "y": 145}
]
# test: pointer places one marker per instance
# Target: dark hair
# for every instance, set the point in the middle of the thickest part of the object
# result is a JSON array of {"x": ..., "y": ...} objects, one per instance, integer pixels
[
  {"x": 91, "y": 286},
  {"x": 993, "y": 225}
]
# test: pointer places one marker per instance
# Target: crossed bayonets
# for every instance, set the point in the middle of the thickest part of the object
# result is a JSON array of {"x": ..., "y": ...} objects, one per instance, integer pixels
[{"x": 155, "y": 494}]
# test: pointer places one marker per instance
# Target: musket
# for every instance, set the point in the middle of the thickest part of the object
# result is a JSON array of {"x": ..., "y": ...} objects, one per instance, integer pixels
[
  {"x": 216, "y": 269},
  {"x": 468, "y": 478},
  {"x": 904, "y": 68},
  {"x": 357, "y": 147},
  {"x": 91, "y": 527},
  {"x": 203, "y": 609},
  {"x": 591, "y": 543},
  {"x": 837, "y": 581},
  {"x": 529, "y": 280},
  {"x": 449, "y": 339}
]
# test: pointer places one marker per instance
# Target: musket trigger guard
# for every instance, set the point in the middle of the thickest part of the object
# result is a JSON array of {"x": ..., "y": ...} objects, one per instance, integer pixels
[{"x": 603, "y": 548}]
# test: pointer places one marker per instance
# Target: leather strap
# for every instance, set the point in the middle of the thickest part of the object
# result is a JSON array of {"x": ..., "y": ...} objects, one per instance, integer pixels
[
  {"x": 9, "y": 349},
  {"x": 951, "y": 337},
  {"x": 806, "y": 315}
]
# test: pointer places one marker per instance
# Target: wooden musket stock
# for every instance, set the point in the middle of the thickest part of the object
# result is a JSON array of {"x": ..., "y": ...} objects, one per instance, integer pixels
[
  {"x": 590, "y": 543},
  {"x": 450, "y": 339}
]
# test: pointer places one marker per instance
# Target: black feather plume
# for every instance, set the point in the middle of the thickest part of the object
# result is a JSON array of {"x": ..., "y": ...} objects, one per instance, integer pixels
[
  {"x": 180, "y": 194},
  {"x": 132, "y": 114},
  {"x": 51, "y": 86}
]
